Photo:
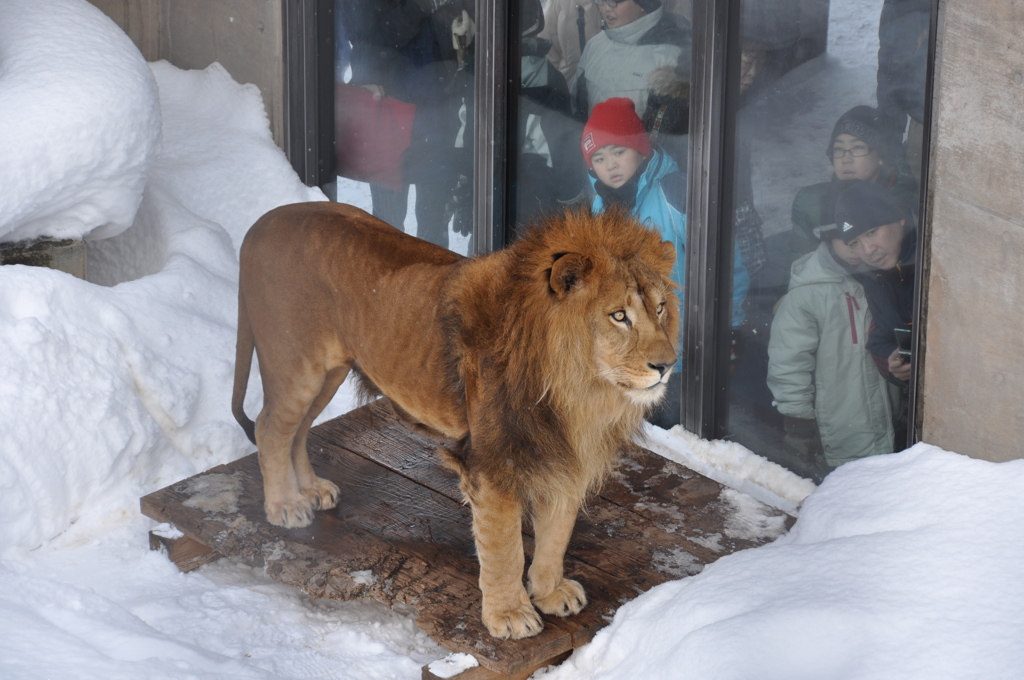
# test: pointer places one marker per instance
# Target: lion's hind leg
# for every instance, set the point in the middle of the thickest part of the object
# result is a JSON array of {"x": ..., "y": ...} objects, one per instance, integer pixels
[
  {"x": 292, "y": 492},
  {"x": 275, "y": 432},
  {"x": 551, "y": 592},
  {"x": 497, "y": 529},
  {"x": 321, "y": 493}
]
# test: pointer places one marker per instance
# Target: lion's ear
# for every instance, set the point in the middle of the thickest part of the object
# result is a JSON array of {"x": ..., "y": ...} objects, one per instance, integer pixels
[{"x": 568, "y": 271}]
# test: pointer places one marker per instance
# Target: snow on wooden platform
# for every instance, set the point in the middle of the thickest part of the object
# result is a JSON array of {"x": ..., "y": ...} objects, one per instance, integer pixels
[{"x": 400, "y": 534}]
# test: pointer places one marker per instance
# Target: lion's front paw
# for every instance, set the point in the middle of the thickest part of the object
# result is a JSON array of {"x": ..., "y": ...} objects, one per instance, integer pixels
[
  {"x": 566, "y": 599},
  {"x": 290, "y": 514},
  {"x": 516, "y": 622},
  {"x": 323, "y": 495}
]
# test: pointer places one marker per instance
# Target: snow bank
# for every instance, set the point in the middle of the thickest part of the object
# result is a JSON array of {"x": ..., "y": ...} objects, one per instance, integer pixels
[
  {"x": 79, "y": 122},
  {"x": 111, "y": 392},
  {"x": 900, "y": 566},
  {"x": 113, "y": 610}
]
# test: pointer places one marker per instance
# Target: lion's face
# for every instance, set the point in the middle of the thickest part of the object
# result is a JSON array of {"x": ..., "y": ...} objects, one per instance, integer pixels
[{"x": 636, "y": 329}]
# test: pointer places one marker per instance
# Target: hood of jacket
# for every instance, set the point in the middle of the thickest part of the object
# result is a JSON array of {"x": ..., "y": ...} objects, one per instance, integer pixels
[
  {"x": 819, "y": 266},
  {"x": 655, "y": 28},
  {"x": 631, "y": 33},
  {"x": 660, "y": 165},
  {"x": 908, "y": 249}
]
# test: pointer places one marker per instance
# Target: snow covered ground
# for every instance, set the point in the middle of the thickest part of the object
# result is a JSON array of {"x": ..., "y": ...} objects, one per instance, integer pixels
[{"x": 901, "y": 566}]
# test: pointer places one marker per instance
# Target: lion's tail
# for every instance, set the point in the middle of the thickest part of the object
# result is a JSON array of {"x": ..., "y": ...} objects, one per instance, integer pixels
[{"x": 244, "y": 346}]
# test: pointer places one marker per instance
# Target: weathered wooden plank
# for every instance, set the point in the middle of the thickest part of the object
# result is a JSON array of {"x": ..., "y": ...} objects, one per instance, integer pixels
[
  {"x": 222, "y": 508},
  {"x": 374, "y": 432},
  {"x": 334, "y": 557},
  {"x": 390, "y": 539},
  {"x": 655, "y": 519},
  {"x": 437, "y": 529},
  {"x": 608, "y": 537},
  {"x": 185, "y": 552},
  {"x": 681, "y": 501}
]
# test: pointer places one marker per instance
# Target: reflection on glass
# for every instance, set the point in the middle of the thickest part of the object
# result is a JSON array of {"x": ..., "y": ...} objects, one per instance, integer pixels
[
  {"x": 549, "y": 171},
  {"x": 825, "y": 209},
  {"x": 403, "y": 114},
  {"x": 603, "y": 114}
]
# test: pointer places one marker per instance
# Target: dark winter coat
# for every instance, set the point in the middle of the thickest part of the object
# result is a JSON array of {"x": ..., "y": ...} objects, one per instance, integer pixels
[
  {"x": 902, "y": 60},
  {"x": 667, "y": 118},
  {"x": 890, "y": 295},
  {"x": 405, "y": 47},
  {"x": 550, "y": 168}
]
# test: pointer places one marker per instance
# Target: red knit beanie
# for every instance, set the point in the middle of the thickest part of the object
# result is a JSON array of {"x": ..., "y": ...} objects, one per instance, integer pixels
[{"x": 614, "y": 121}]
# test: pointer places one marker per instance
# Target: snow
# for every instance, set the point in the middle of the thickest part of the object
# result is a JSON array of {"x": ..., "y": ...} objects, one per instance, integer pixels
[
  {"x": 80, "y": 122},
  {"x": 731, "y": 464},
  {"x": 453, "y": 664},
  {"x": 900, "y": 566}
]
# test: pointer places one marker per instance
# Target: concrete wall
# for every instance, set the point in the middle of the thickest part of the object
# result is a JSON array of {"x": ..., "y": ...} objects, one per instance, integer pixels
[
  {"x": 973, "y": 384},
  {"x": 245, "y": 36}
]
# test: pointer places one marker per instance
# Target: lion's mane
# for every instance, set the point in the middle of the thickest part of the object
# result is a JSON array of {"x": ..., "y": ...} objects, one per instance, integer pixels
[{"x": 555, "y": 422}]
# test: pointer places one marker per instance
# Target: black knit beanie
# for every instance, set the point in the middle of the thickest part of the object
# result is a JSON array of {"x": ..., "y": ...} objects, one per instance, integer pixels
[{"x": 866, "y": 124}]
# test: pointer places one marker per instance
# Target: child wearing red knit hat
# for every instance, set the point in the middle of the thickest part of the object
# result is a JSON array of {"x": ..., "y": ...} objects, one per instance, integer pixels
[
  {"x": 625, "y": 170},
  {"x": 615, "y": 143}
]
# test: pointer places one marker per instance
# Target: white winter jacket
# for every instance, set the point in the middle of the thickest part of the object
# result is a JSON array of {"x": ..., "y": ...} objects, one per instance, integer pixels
[{"x": 617, "y": 61}]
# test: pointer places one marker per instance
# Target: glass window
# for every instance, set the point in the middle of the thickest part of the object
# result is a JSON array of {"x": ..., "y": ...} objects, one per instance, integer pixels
[
  {"x": 825, "y": 190},
  {"x": 602, "y": 117},
  {"x": 403, "y": 110}
]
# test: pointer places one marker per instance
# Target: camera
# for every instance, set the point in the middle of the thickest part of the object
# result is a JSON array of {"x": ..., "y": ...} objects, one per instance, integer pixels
[{"x": 903, "y": 342}]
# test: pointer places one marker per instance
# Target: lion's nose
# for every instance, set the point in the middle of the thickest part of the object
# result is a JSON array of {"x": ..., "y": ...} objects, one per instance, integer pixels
[{"x": 660, "y": 368}]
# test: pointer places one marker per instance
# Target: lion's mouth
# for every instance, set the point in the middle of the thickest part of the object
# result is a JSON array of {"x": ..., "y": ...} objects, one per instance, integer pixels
[{"x": 646, "y": 396}]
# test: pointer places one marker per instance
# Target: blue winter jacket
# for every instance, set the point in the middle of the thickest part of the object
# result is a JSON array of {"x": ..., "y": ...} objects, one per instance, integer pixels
[{"x": 653, "y": 209}]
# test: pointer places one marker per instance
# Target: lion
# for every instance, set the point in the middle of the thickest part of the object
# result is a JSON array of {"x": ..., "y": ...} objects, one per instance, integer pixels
[{"x": 539, "y": 361}]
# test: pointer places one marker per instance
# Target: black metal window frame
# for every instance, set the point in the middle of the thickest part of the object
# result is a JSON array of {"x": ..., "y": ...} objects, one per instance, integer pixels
[
  {"x": 308, "y": 49},
  {"x": 309, "y": 116},
  {"x": 494, "y": 123}
]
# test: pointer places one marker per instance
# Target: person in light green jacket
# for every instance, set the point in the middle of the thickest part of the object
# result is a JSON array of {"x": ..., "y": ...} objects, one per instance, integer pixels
[{"x": 834, "y": 403}]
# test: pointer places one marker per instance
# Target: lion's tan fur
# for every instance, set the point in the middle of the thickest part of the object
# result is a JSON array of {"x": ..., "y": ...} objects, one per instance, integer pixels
[{"x": 520, "y": 356}]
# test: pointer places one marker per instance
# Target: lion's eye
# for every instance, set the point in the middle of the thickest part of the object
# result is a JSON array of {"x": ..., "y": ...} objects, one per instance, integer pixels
[
  {"x": 661, "y": 308},
  {"x": 619, "y": 316}
]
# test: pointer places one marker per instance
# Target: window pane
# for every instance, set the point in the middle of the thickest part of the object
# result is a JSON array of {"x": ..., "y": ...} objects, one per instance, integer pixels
[
  {"x": 404, "y": 89},
  {"x": 828, "y": 126},
  {"x": 603, "y": 110}
]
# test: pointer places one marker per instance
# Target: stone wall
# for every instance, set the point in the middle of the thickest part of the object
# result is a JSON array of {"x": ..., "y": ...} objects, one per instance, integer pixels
[{"x": 973, "y": 383}]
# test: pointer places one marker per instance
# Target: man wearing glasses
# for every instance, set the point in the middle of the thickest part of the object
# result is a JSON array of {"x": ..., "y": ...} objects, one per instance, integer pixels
[{"x": 861, "y": 148}]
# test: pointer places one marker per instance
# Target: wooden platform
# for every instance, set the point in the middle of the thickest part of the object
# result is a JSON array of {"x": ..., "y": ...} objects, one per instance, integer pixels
[{"x": 401, "y": 534}]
